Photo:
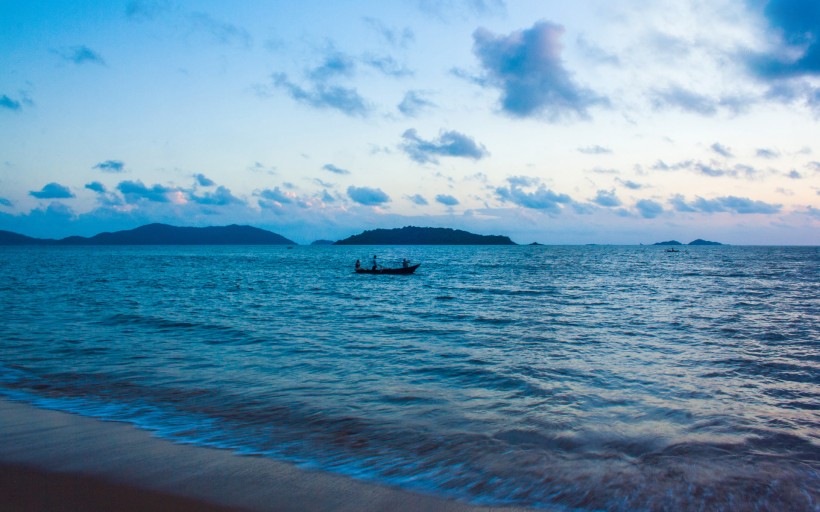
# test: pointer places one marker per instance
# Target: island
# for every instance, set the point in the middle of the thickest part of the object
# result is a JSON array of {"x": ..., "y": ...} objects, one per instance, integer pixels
[
  {"x": 703, "y": 242},
  {"x": 668, "y": 242},
  {"x": 161, "y": 234},
  {"x": 412, "y": 235}
]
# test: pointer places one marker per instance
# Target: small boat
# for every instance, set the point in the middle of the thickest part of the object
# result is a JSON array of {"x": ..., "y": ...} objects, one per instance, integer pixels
[
  {"x": 400, "y": 270},
  {"x": 672, "y": 250}
]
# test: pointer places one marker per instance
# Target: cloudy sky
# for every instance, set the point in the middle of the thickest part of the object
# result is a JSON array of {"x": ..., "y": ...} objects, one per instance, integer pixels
[{"x": 545, "y": 120}]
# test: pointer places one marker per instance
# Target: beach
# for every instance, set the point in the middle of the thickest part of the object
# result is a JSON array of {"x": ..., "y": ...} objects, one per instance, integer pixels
[{"x": 59, "y": 461}]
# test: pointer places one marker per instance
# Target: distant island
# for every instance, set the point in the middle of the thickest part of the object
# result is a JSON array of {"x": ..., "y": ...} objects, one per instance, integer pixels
[
  {"x": 411, "y": 235},
  {"x": 161, "y": 234},
  {"x": 693, "y": 242}
]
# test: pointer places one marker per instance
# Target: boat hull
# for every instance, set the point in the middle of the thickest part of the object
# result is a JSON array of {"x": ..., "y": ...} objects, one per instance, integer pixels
[{"x": 393, "y": 271}]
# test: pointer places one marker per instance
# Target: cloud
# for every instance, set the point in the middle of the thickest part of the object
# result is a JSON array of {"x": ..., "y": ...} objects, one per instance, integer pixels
[
  {"x": 219, "y": 31},
  {"x": 629, "y": 184},
  {"x": 367, "y": 196},
  {"x": 10, "y": 104},
  {"x": 527, "y": 68},
  {"x": 110, "y": 166},
  {"x": 203, "y": 181},
  {"x": 794, "y": 175},
  {"x": 607, "y": 199},
  {"x": 649, "y": 209},
  {"x": 446, "y": 200},
  {"x": 721, "y": 150},
  {"x": 145, "y": 10},
  {"x": 688, "y": 101},
  {"x": 712, "y": 169},
  {"x": 5, "y": 202},
  {"x": 604, "y": 170},
  {"x": 595, "y": 150},
  {"x": 81, "y": 55},
  {"x": 446, "y": 10},
  {"x": 322, "y": 95},
  {"x": 675, "y": 96},
  {"x": 220, "y": 197},
  {"x": 52, "y": 191},
  {"x": 335, "y": 170},
  {"x": 136, "y": 191},
  {"x": 388, "y": 66},
  {"x": 96, "y": 186},
  {"x": 793, "y": 56},
  {"x": 767, "y": 153},
  {"x": 334, "y": 64},
  {"x": 450, "y": 144},
  {"x": 418, "y": 199},
  {"x": 737, "y": 171},
  {"x": 276, "y": 195},
  {"x": 798, "y": 51},
  {"x": 399, "y": 38},
  {"x": 731, "y": 204},
  {"x": 679, "y": 204},
  {"x": 596, "y": 53},
  {"x": 413, "y": 103},
  {"x": 541, "y": 198}
]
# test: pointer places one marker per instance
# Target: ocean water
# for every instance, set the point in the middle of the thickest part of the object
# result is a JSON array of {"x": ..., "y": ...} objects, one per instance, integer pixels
[{"x": 589, "y": 378}]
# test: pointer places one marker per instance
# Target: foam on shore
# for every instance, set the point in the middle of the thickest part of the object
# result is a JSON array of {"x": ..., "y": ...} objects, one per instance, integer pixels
[{"x": 119, "y": 459}]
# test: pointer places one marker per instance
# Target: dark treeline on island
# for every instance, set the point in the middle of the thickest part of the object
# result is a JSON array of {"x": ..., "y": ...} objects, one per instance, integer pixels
[
  {"x": 411, "y": 235},
  {"x": 693, "y": 242},
  {"x": 161, "y": 234}
]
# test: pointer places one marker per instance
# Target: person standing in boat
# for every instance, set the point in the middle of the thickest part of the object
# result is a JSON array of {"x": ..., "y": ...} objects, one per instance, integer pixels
[
  {"x": 375, "y": 265},
  {"x": 358, "y": 264},
  {"x": 405, "y": 263}
]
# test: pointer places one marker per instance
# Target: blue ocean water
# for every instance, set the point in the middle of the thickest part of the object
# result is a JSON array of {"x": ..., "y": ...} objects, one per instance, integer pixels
[{"x": 591, "y": 378}]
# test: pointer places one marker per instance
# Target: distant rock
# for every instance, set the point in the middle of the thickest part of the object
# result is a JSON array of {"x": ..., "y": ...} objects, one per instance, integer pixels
[
  {"x": 163, "y": 234},
  {"x": 322, "y": 242},
  {"x": 536, "y": 243},
  {"x": 703, "y": 242},
  {"x": 411, "y": 235},
  {"x": 668, "y": 242}
]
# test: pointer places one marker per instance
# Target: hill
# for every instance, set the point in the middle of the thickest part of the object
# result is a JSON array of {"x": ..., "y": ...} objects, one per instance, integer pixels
[
  {"x": 411, "y": 235},
  {"x": 699, "y": 241},
  {"x": 163, "y": 234},
  {"x": 10, "y": 238},
  {"x": 703, "y": 242}
]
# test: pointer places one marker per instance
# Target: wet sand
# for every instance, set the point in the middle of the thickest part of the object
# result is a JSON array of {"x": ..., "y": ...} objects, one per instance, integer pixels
[{"x": 64, "y": 462}]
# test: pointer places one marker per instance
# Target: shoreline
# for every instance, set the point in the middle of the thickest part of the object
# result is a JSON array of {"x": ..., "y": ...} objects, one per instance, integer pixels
[{"x": 72, "y": 462}]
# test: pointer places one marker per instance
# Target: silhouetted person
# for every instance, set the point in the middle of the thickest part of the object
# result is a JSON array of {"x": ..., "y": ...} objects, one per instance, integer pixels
[
  {"x": 358, "y": 264},
  {"x": 405, "y": 263},
  {"x": 375, "y": 265}
]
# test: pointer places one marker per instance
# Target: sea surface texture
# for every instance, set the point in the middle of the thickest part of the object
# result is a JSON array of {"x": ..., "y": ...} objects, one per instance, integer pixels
[{"x": 588, "y": 378}]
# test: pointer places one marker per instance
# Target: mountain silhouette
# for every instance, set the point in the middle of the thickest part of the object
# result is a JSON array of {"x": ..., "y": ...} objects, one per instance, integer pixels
[
  {"x": 162, "y": 234},
  {"x": 411, "y": 235}
]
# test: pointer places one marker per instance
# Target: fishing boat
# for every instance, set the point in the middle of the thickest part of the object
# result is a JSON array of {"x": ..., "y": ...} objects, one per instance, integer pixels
[{"x": 382, "y": 270}]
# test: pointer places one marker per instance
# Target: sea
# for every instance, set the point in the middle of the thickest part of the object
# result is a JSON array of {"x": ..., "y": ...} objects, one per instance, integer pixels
[{"x": 576, "y": 378}]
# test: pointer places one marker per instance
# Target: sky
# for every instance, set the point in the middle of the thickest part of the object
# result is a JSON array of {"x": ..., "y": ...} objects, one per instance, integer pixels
[{"x": 557, "y": 122}]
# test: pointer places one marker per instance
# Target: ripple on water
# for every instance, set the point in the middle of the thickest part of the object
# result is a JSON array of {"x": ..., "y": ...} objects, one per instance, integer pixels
[{"x": 602, "y": 378}]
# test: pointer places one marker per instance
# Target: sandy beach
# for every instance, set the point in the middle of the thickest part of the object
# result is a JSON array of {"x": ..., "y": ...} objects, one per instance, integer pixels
[{"x": 58, "y": 461}]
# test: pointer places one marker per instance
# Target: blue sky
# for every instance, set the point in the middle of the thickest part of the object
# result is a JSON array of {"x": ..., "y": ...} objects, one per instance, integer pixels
[{"x": 549, "y": 121}]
